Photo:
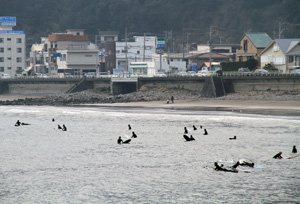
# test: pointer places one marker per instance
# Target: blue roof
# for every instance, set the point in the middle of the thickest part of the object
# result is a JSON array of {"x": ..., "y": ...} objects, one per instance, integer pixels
[
  {"x": 260, "y": 40},
  {"x": 284, "y": 44}
]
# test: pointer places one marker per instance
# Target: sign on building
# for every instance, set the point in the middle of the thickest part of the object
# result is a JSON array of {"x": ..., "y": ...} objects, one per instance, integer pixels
[
  {"x": 8, "y": 21},
  {"x": 161, "y": 42}
]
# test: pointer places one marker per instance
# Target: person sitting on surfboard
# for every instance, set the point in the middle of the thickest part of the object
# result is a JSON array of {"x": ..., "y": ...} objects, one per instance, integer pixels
[
  {"x": 64, "y": 128},
  {"x": 278, "y": 156},
  {"x": 294, "y": 149},
  {"x": 59, "y": 127},
  {"x": 120, "y": 140},
  {"x": 185, "y": 131},
  {"x": 129, "y": 127},
  {"x": 194, "y": 127},
  {"x": 205, "y": 132},
  {"x": 133, "y": 135},
  {"x": 18, "y": 123}
]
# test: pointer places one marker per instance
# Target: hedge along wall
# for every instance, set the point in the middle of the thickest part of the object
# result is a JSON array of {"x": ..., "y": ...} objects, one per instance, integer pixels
[{"x": 234, "y": 66}]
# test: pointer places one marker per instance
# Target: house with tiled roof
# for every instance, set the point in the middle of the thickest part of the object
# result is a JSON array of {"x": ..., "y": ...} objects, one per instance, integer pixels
[
  {"x": 200, "y": 59},
  {"x": 283, "y": 54},
  {"x": 251, "y": 45}
]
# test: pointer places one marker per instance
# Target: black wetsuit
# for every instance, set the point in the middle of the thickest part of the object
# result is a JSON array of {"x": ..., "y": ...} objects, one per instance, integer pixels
[
  {"x": 278, "y": 156},
  {"x": 294, "y": 149}
]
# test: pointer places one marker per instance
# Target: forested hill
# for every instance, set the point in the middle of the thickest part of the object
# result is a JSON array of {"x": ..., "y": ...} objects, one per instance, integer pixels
[{"x": 226, "y": 19}]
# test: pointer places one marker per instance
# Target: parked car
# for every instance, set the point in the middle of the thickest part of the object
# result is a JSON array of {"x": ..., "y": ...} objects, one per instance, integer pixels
[
  {"x": 90, "y": 74},
  {"x": 295, "y": 72},
  {"x": 202, "y": 73},
  {"x": 160, "y": 74},
  {"x": 191, "y": 73},
  {"x": 244, "y": 71},
  {"x": 181, "y": 74},
  {"x": 261, "y": 72},
  {"x": 5, "y": 76}
]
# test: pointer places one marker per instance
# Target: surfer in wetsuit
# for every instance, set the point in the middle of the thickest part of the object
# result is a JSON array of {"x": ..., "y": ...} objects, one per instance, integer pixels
[
  {"x": 59, "y": 127},
  {"x": 133, "y": 135},
  {"x": 205, "y": 132},
  {"x": 236, "y": 165},
  {"x": 192, "y": 138},
  {"x": 278, "y": 156},
  {"x": 129, "y": 127},
  {"x": 194, "y": 127},
  {"x": 64, "y": 128},
  {"x": 120, "y": 140},
  {"x": 185, "y": 131},
  {"x": 294, "y": 149},
  {"x": 53, "y": 120},
  {"x": 18, "y": 123},
  {"x": 219, "y": 168},
  {"x": 233, "y": 138},
  {"x": 247, "y": 164}
]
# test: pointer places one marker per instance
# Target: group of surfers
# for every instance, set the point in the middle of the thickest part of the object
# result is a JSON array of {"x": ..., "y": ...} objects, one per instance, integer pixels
[
  {"x": 63, "y": 128},
  {"x": 120, "y": 141}
]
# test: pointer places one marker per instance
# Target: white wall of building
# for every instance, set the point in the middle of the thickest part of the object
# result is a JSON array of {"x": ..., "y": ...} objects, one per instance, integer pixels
[
  {"x": 140, "y": 50},
  {"x": 12, "y": 52}
]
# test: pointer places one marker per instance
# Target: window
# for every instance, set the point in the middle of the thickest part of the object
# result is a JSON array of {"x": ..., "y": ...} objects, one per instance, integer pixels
[
  {"x": 291, "y": 58},
  {"x": 240, "y": 58},
  {"x": 19, "y": 69},
  {"x": 19, "y": 40},
  {"x": 19, "y": 50},
  {"x": 88, "y": 55},
  {"x": 19, "y": 59},
  {"x": 63, "y": 57},
  {"x": 249, "y": 58},
  {"x": 9, "y": 58},
  {"x": 297, "y": 59},
  {"x": 8, "y": 39},
  {"x": 8, "y": 68},
  {"x": 1, "y": 59},
  {"x": 137, "y": 52},
  {"x": 1, "y": 40},
  {"x": 245, "y": 45},
  {"x": 1, "y": 49},
  {"x": 9, "y": 48},
  {"x": 1, "y": 69}
]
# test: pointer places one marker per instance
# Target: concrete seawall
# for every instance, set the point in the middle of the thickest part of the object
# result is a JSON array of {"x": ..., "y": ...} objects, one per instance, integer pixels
[{"x": 231, "y": 84}]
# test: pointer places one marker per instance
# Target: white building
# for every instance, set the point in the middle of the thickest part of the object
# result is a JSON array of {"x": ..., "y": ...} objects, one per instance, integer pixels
[
  {"x": 39, "y": 58},
  {"x": 71, "y": 52},
  {"x": 140, "y": 50},
  {"x": 12, "y": 47}
]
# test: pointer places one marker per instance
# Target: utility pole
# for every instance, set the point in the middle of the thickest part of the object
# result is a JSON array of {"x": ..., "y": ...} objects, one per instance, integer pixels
[
  {"x": 144, "y": 47},
  {"x": 209, "y": 44},
  {"x": 126, "y": 49},
  {"x": 280, "y": 29}
]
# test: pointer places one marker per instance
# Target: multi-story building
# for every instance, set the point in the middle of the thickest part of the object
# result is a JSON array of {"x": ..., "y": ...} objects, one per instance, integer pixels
[
  {"x": 252, "y": 44},
  {"x": 12, "y": 47},
  {"x": 140, "y": 50},
  {"x": 71, "y": 52},
  {"x": 107, "y": 46},
  {"x": 39, "y": 57}
]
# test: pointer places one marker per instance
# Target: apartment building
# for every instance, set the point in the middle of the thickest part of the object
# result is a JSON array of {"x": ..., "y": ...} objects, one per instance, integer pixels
[{"x": 12, "y": 47}]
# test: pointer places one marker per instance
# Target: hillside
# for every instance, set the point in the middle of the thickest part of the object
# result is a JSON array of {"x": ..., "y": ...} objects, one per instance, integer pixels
[{"x": 227, "y": 20}]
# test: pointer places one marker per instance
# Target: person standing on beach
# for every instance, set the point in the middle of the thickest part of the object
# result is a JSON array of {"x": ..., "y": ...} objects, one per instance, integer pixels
[{"x": 172, "y": 99}]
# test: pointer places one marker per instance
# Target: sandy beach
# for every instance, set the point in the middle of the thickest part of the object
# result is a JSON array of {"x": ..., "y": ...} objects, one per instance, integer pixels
[
  {"x": 273, "y": 107},
  {"x": 291, "y": 108}
]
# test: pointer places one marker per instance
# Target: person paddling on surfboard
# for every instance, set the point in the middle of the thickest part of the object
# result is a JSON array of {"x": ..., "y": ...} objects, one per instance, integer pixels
[
  {"x": 219, "y": 168},
  {"x": 278, "y": 156},
  {"x": 120, "y": 140},
  {"x": 294, "y": 149}
]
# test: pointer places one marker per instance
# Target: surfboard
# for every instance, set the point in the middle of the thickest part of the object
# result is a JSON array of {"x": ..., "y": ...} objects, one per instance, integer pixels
[
  {"x": 291, "y": 157},
  {"x": 127, "y": 141}
]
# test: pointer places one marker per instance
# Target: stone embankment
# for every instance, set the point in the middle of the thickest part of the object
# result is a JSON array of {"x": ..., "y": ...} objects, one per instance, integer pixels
[{"x": 158, "y": 94}]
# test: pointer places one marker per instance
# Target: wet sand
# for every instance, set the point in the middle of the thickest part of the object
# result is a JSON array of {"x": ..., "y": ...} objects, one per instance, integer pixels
[
  {"x": 243, "y": 106},
  {"x": 291, "y": 108}
]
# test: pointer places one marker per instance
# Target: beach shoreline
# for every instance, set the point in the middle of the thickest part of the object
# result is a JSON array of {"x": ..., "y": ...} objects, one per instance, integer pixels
[{"x": 272, "y": 107}]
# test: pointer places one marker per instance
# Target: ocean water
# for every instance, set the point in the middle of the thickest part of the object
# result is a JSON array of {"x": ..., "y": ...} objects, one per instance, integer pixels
[{"x": 41, "y": 164}]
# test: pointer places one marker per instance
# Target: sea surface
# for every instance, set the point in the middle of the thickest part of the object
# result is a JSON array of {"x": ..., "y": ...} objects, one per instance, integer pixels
[{"x": 41, "y": 164}]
